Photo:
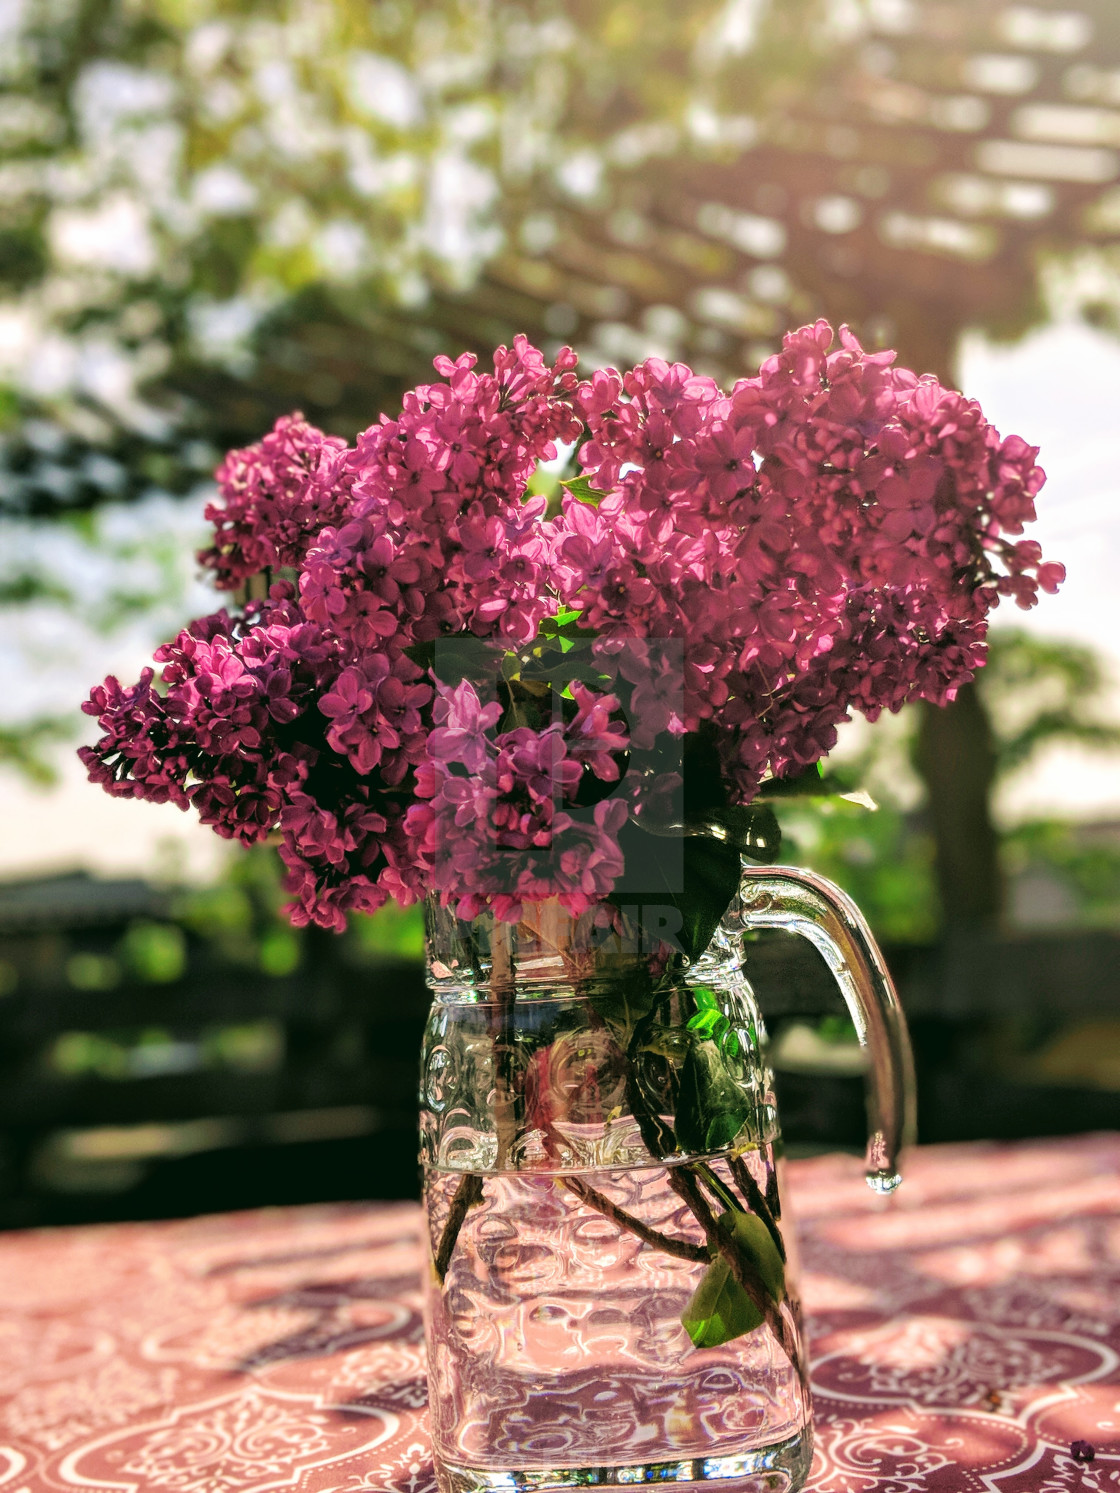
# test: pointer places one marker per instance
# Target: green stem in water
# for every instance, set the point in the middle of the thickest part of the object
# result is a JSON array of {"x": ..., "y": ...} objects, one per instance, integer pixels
[
  {"x": 716, "y": 1187},
  {"x": 503, "y": 977},
  {"x": 659, "y": 1139}
]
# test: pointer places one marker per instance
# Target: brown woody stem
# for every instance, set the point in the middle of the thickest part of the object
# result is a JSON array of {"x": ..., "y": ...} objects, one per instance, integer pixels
[
  {"x": 756, "y": 1201},
  {"x": 684, "y": 1249},
  {"x": 467, "y": 1194},
  {"x": 686, "y": 1187},
  {"x": 773, "y": 1198}
]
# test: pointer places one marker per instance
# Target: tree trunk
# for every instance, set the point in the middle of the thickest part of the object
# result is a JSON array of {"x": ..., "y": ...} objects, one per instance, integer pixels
[
  {"x": 954, "y": 754},
  {"x": 956, "y": 759}
]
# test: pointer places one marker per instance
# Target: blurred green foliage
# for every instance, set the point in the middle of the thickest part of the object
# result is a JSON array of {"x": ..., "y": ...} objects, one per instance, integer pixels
[
  {"x": 26, "y": 747},
  {"x": 1039, "y": 693},
  {"x": 1083, "y": 861},
  {"x": 883, "y": 858},
  {"x": 86, "y": 970},
  {"x": 393, "y": 933},
  {"x": 241, "y": 917},
  {"x": 1043, "y": 691},
  {"x": 149, "y": 1052},
  {"x": 154, "y": 952},
  {"x": 178, "y": 177}
]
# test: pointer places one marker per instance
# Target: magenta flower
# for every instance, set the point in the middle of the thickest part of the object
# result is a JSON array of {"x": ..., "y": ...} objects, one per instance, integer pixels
[
  {"x": 276, "y": 496},
  {"x": 461, "y": 735},
  {"x": 830, "y": 535},
  {"x": 348, "y": 698}
]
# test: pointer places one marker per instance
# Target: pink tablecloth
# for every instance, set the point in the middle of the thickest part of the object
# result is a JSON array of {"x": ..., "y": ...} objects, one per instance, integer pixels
[{"x": 963, "y": 1336}]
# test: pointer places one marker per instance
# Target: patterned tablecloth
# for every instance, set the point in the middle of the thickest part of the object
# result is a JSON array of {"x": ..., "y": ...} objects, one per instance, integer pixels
[{"x": 963, "y": 1334}]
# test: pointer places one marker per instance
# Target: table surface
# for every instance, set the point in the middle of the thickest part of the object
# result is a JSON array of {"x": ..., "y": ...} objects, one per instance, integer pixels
[{"x": 963, "y": 1335}]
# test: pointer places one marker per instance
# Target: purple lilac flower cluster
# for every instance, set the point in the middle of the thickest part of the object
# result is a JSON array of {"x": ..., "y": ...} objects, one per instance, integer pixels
[
  {"x": 275, "y": 497},
  {"x": 500, "y": 802},
  {"x": 830, "y": 535}
]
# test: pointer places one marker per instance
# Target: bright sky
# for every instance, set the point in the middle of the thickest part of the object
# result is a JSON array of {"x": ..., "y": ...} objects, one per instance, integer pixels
[
  {"x": 1059, "y": 388},
  {"x": 49, "y": 659}
]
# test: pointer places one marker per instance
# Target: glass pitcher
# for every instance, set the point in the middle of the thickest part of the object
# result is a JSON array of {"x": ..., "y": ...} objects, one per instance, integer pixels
[{"x": 610, "y": 1297}]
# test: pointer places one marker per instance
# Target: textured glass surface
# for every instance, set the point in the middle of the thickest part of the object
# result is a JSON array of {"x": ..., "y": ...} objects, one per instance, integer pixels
[
  {"x": 557, "y": 1342},
  {"x": 806, "y": 904},
  {"x": 611, "y": 1298}
]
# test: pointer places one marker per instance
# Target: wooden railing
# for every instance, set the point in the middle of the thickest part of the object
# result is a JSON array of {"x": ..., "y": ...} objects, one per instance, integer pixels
[{"x": 227, "y": 1087}]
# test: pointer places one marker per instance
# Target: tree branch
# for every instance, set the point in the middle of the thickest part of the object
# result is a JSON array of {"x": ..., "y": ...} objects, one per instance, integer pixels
[
  {"x": 755, "y": 1200},
  {"x": 467, "y": 1194},
  {"x": 684, "y": 1249}
]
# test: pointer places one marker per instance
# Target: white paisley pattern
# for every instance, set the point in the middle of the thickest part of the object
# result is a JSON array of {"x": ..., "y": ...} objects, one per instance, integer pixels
[{"x": 963, "y": 1336}]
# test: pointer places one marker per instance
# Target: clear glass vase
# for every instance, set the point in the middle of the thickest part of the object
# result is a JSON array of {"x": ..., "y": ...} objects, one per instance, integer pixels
[{"x": 610, "y": 1295}]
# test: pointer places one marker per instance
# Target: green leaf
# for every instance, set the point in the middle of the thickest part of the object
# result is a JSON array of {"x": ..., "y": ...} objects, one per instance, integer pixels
[
  {"x": 808, "y": 781},
  {"x": 711, "y": 1107},
  {"x": 709, "y": 878},
  {"x": 753, "y": 830},
  {"x": 462, "y": 657},
  {"x": 621, "y": 997},
  {"x": 712, "y": 872},
  {"x": 421, "y": 654},
  {"x": 580, "y": 487},
  {"x": 814, "y": 783},
  {"x": 707, "y": 1022},
  {"x": 563, "y": 664},
  {"x": 756, "y": 1248},
  {"x": 565, "y": 624},
  {"x": 720, "y": 1310},
  {"x": 520, "y": 713}
]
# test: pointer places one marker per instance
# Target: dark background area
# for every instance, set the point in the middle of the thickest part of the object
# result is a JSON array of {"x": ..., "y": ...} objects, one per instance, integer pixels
[{"x": 148, "y": 1072}]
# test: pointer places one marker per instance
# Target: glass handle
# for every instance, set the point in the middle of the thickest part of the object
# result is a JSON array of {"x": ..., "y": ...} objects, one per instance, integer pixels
[{"x": 804, "y": 903}]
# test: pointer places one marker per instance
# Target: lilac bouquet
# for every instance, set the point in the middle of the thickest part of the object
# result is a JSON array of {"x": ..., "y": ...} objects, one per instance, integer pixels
[{"x": 451, "y": 684}]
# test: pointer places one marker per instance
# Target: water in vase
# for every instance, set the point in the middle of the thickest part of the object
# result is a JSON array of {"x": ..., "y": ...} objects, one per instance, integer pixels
[{"x": 558, "y": 1355}]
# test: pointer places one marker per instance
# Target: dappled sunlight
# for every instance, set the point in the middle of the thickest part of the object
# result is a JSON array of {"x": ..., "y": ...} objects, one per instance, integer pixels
[
  {"x": 830, "y": 1186},
  {"x": 965, "y": 1342},
  {"x": 949, "y": 1363},
  {"x": 926, "y": 1378},
  {"x": 1005, "y": 1259},
  {"x": 887, "y": 1450},
  {"x": 910, "y": 1349},
  {"x": 939, "y": 1203},
  {"x": 982, "y": 1218},
  {"x": 820, "y": 1290}
]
